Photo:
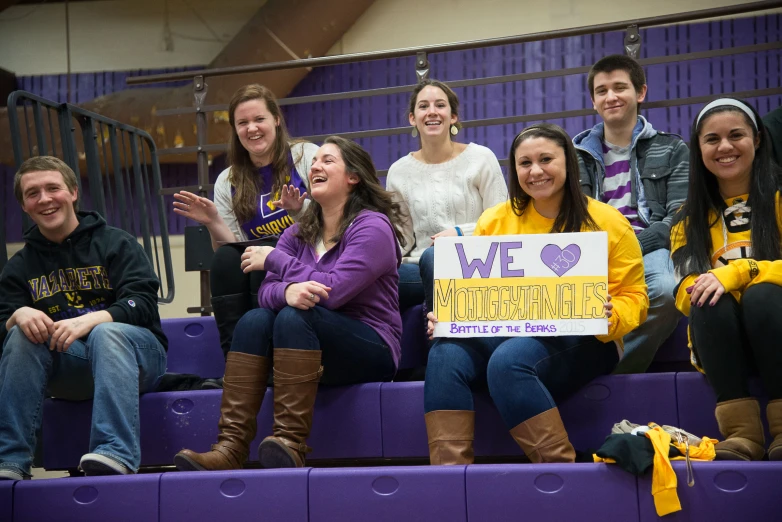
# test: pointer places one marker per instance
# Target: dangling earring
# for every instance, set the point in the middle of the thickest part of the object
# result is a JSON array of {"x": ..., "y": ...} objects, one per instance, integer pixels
[
  {"x": 414, "y": 134},
  {"x": 454, "y": 129}
]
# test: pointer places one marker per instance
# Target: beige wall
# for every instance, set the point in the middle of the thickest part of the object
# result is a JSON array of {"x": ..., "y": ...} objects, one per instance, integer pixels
[
  {"x": 119, "y": 34},
  {"x": 187, "y": 284},
  {"x": 128, "y": 34},
  {"x": 394, "y": 24}
]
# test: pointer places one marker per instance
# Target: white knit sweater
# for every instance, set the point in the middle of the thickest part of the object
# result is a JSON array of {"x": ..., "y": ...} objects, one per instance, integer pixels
[{"x": 449, "y": 194}]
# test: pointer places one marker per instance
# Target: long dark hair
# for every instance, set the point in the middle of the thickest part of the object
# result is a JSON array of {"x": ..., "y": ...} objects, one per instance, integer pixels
[
  {"x": 244, "y": 174},
  {"x": 367, "y": 194},
  {"x": 703, "y": 199},
  {"x": 573, "y": 214}
]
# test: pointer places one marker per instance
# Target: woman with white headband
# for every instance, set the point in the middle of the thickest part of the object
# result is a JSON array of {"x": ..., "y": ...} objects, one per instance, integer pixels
[{"x": 726, "y": 253}]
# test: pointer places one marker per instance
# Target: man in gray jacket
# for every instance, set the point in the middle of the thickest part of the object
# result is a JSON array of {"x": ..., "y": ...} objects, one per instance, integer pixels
[{"x": 642, "y": 173}]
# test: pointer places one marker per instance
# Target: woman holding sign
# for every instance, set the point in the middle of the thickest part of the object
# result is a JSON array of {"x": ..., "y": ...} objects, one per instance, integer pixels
[
  {"x": 329, "y": 312},
  {"x": 527, "y": 376},
  {"x": 726, "y": 252},
  {"x": 255, "y": 199},
  {"x": 445, "y": 185}
]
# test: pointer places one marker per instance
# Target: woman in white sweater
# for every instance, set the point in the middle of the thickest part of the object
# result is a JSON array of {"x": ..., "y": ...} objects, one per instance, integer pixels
[
  {"x": 255, "y": 199},
  {"x": 446, "y": 186}
]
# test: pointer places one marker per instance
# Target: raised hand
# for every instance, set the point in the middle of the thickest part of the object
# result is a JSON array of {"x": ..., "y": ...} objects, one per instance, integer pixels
[
  {"x": 290, "y": 199},
  {"x": 202, "y": 210}
]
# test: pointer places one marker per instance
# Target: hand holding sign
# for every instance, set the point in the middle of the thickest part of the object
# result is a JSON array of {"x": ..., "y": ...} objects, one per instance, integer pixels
[{"x": 608, "y": 307}]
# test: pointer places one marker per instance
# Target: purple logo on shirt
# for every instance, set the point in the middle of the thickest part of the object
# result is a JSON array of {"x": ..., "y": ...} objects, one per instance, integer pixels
[{"x": 132, "y": 303}]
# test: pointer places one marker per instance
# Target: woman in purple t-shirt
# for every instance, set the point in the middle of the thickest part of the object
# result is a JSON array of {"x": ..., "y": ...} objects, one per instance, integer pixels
[
  {"x": 255, "y": 199},
  {"x": 329, "y": 312}
]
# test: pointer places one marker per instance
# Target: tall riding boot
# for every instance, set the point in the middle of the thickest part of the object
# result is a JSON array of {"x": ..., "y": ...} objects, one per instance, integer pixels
[
  {"x": 243, "y": 389},
  {"x": 774, "y": 416},
  {"x": 543, "y": 438},
  {"x": 228, "y": 309},
  {"x": 296, "y": 377},
  {"x": 739, "y": 422},
  {"x": 450, "y": 434}
]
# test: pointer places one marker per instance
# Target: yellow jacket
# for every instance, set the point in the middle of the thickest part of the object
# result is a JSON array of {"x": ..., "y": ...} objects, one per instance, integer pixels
[
  {"x": 626, "y": 283},
  {"x": 731, "y": 258}
]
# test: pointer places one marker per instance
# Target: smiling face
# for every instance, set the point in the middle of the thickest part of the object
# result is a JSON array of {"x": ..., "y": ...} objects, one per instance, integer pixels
[
  {"x": 615, "y": 98},
  {"x": 432, "y": 115},
  {"x": 728, "y": 148},
  {"x": 330, "y": 182},
  {"x": 49, "y": 203},
  {"x": 541, "y": 168},
  {"x": 256, "y": 128}
]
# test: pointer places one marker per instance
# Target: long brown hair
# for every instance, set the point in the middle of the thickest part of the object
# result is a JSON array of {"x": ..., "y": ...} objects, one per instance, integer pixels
[
  {"x": 244, "y": 175},
  {"x": 573, "y": 213},
  {"x": 367, "y": 194}
]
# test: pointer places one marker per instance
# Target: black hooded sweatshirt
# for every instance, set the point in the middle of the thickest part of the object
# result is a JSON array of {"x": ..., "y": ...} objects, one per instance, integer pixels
[{"x": 97, "y": 267}]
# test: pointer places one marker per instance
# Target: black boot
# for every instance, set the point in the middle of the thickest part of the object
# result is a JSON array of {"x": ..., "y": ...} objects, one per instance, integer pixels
[{"x": 228, "y": 309}]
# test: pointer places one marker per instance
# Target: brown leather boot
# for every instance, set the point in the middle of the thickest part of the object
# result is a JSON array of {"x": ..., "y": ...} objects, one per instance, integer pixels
[
  {"x": 544, "y": 439},
  {"x": 739, "y": 422},
  {"x": 774, "y": 416},
  {"x": 450, "y": 434},
  {"x": 244, "y": 385},
  {"x": 296, "y": 377}
]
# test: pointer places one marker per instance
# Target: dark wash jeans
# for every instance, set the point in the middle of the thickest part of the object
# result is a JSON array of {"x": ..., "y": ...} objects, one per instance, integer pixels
[
  {"x": 352, "y": 351},
  {"x": 525, "y": 375}
]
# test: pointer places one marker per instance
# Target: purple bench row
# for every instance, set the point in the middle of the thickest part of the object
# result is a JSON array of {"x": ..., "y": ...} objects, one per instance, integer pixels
[
  {"x": 194, "y": 346},
  {"x": 477, "y": 493},
  {"x": 386, "y": 420}
]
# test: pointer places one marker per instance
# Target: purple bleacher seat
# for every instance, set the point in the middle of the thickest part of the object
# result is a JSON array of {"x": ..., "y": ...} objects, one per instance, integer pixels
[
  {"x": 673, "y": 354},
  {"x": 88, "y": 499},
  {"x": 588, "y": 415},
  {"x": 510, "y": 492},
  {"x": 235, "y": 495},
  {"x": 194, "y": 346},
  {"x": 414, "y": 351},
  {"x": 696, "y": 403},
  {"x": 6, "y": 499},
  {"x": 723, "y": 490},
  {"x": 675, "y": 349},
  {"x": 389, "y": 494},
  {"x": 346, "y": 424}
]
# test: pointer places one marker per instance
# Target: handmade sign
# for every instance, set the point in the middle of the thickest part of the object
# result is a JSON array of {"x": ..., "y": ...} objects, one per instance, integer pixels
[{"x": 525, "y": 285}]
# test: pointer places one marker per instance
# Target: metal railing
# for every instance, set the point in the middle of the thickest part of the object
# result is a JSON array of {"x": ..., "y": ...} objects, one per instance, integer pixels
[
  {"x": 122, "y": 169},
  {"x": 632, "y": 43}
]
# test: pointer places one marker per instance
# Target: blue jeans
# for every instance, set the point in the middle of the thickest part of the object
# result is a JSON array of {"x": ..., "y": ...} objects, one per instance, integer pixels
[
  {"x": 411, "y": 290},
  {"x": 116, "y": 363},
  {"x": 526, "y": 375},
  {"x": 426, "y": 266},
  {"x": 352, "y": 351},
  {"x": 661, "y": 319}
]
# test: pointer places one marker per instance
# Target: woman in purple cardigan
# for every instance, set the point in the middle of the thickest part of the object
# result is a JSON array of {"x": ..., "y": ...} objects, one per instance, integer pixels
[{"x": 328, "y": 312}]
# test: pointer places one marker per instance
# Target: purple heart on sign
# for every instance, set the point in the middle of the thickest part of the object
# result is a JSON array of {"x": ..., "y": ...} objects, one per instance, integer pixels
[{"x": 560, "y": 260}]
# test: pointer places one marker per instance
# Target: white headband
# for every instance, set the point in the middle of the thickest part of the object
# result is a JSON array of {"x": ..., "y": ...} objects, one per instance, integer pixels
[{"x": 723, "y": 102}]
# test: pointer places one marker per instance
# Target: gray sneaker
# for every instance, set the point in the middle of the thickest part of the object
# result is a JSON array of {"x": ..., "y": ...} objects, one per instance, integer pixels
[
  {"x": 93, "y": 464},
  {"x": 9, "y": 474}
]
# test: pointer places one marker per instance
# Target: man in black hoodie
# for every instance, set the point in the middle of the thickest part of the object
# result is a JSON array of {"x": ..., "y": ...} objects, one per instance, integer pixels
[{"x": 79, "y": 308}]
